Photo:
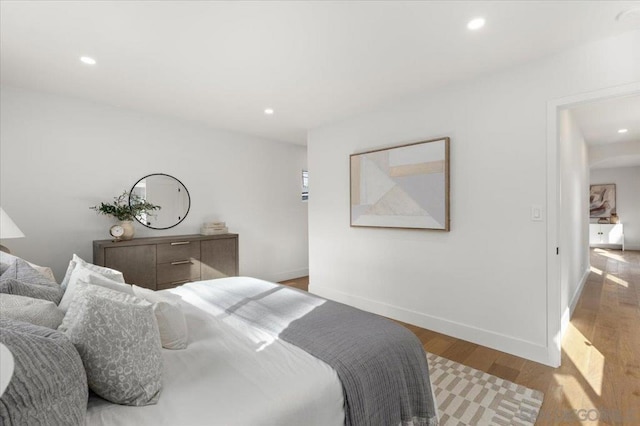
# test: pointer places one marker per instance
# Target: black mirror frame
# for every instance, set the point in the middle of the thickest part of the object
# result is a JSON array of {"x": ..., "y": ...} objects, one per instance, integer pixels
[{"x": 172, "y": 177}]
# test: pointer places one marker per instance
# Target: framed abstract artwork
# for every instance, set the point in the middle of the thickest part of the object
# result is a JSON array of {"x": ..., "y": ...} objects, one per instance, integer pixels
[
  {"x": 405, "y": 186},
  {"x": 602, "y": 200}
]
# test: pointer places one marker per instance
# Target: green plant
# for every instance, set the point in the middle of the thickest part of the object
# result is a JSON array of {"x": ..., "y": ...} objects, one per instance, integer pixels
[{"x": 126, "y": 207}]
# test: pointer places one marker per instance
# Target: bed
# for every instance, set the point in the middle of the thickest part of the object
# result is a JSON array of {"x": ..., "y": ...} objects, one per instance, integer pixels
[
  {"x": 232, "y": 373},
  {"x": 261, "y": 353}
]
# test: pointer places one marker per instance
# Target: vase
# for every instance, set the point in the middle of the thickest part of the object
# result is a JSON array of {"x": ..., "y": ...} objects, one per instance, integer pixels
[{"x": 129, "y": 230}]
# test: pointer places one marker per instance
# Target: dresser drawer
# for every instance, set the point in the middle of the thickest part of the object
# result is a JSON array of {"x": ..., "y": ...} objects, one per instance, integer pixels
[
  {"x": 137, "y": 263},
  {"x": 173, "y": 273},
  {"x": 165, "y": 262},
  {"x": 178, "y": 250}
]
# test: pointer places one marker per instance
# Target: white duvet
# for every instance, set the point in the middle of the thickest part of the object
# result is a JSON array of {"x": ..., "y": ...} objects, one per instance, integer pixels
[{"x": 232, "y": 374}]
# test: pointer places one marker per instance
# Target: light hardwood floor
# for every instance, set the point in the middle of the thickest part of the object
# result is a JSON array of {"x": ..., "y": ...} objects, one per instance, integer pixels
[{"x": 599, "y": 380}]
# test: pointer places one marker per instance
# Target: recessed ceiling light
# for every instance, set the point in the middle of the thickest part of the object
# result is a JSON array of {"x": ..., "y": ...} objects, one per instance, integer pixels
[
  {"x": 623, "y": 130},
  {"x": 87, "y": 60},
  {"x": 476, "y": 23},
  {"x": 268, "y": 111}
]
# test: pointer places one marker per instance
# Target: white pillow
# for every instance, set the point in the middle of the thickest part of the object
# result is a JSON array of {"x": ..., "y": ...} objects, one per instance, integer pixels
[
  {"x": 107, "y": 272},
  {"x": 35, "y": 311},
  {"x": 81, "y": 273},
  {"x": 169, "y": 315}
]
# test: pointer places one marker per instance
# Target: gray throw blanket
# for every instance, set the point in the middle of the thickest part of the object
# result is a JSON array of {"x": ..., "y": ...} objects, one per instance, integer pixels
[{"x": 382, "y": 365}]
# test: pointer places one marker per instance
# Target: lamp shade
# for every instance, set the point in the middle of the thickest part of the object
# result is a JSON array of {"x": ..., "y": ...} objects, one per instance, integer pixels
[
  {"x": 6, "y": 367},
  {"x": 8, "y": 229}
]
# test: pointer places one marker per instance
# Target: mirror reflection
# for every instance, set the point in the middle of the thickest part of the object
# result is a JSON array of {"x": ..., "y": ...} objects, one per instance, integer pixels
[{"x": 168, "y": 193}]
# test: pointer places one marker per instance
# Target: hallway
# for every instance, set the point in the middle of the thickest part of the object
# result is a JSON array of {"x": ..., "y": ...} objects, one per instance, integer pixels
[{"x": 600, "y": 371}]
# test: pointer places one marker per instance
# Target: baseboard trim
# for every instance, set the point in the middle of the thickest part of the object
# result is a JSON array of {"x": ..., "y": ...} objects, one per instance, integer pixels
[
  {"x": 568, "y": 312},
  {"x": 498, "y": 341},
  {"x": 578, "y": 292},
  {"x": 608, "y": 246},
  {"x": 289, "y": 275}
]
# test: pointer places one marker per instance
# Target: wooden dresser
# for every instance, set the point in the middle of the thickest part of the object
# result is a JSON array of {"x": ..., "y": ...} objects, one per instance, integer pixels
[{"x": 165, "y": 262}]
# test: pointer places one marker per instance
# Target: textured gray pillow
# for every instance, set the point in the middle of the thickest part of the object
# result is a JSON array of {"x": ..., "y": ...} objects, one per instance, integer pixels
[
  {"x": 37, "y": 291},
  {"x": 7, "y": 259},
  {"x": 118, "y": 340},
  {"x": 49, "y": 385},
  {"x": 20, "y": 270},
  {"x": 34, "y": 311},
  {"x": 43, "y": 270}
]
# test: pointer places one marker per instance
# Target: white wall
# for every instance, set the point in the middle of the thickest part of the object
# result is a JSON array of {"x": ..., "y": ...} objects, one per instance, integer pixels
[
  {"x": 61, "y": 155},
  {"x": 627, "y": 180},
  {"x": 485, "y": 281},
  {"x": 573, "y": 159}
]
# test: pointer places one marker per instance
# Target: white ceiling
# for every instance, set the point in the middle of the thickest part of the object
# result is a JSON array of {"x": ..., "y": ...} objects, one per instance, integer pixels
[
  {"x": 614, "y": 163},
  {"x": 223, "y": 63},
  {"x": 600, "y": 121}
]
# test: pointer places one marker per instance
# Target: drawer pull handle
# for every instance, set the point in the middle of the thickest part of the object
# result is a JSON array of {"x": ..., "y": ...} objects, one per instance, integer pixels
[
  {"x": 180, "y": 282},
  {"x": 180, "y": 243},
  {"x": 182, "y": 262}
]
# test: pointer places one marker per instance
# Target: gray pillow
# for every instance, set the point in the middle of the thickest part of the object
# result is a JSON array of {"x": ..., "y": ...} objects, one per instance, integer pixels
[
  {"x": 34, "y": 311},
  {"x": 7, "y": 259},
  {"x": 20, "y": 270},
  {"x": 118, "y": 340},
  {"x": 37, "y": 291},
  {"x": 49, "y": 385}
]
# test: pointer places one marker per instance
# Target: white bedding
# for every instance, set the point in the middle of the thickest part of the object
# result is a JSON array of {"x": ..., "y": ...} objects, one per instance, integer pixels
[{"x": 232, "y": 374}]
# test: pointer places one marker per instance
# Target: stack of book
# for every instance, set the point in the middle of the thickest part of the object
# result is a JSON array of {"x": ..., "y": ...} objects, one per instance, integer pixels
[{"x": 214, "y": 228}]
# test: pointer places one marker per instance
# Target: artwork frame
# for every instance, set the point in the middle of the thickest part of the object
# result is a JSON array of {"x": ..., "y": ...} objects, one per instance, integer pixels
[
  {"x": 305, "y": 185},
  {"x": 404, "y": 186},
  {"x": 602, "y": 200}
]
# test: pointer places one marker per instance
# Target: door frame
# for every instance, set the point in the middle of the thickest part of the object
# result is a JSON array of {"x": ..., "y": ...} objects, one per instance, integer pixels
[{"x": 554, "y": 208}]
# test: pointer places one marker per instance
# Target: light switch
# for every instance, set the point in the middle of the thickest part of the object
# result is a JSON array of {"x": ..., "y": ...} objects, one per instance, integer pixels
[{"x": 536, "y": 212}]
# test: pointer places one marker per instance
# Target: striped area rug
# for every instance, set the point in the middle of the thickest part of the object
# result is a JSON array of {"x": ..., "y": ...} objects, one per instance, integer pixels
[{"x": 466, "y": 396}]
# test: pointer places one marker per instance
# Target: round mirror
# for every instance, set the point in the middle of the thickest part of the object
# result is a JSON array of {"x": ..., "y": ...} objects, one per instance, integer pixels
[{"x": 163, "y": 191}]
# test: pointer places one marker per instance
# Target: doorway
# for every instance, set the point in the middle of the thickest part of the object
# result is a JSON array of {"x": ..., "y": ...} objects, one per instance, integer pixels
[{"x": 565, "y": 248}]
